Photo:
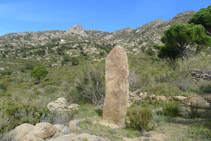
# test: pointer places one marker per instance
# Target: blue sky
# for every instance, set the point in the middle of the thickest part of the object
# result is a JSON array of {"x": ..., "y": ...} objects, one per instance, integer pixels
[{"x": 104, "y": 15}]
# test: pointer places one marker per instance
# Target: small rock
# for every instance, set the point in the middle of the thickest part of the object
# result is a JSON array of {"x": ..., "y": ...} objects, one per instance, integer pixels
[
  {"x": 143, "y": 95},
  {"x": 73, "y": 106},
  {"x": 161, "y": 98},
  {"x": 44, "y": 130},
  {"x": 73, "y": 125},
  {"x": 179, "y": 98},
  {"x": 152, "y": 96},
  {"x": 137, "y": 91}
]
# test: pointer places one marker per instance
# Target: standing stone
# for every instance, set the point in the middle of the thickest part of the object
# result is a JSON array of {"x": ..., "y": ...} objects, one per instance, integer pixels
[{"x": 117, "y": 86}]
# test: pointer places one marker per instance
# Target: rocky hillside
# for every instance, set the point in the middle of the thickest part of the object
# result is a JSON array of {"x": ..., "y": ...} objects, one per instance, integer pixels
[{"x": 132, "y": 39}]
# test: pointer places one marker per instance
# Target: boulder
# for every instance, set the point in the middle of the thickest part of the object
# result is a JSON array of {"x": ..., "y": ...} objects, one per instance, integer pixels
[
  {"x": 117, "y": 86},
  {"x": 60, "y": 105},
  {"x": 44, "y": 130},
  {"x": 20, "y": 132},
  {"x": 197, "y": 101}
]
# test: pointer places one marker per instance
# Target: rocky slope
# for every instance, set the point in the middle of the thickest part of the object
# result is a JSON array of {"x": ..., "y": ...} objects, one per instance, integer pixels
[
  {"x": 142, "y": 37},
  {"x": 49, "y": 47}
]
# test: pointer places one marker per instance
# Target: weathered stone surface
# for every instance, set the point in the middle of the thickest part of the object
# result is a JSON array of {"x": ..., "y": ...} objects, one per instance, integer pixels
[
  {"x": 44, "y": 130},
  {"x": 197, "y": 101},
  {"x": 73, "y": 107},
  {"x": 161, "y": 98},
  {"x": 117, "y": 86},
  {"x": 73, "y": 125},
  {"x": 179, "y": 98},
  {"x": 61, "y": 130},
  {"x": 60, "y": 105},
  {"x": 21, "y": 131}
]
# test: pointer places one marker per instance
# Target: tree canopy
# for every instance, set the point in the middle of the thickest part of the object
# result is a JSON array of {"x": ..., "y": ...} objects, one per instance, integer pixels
[
  {"x": 180, "y": 40},
  {"x": 39, "y": 72},
  {"x": 203, "y": 17}
]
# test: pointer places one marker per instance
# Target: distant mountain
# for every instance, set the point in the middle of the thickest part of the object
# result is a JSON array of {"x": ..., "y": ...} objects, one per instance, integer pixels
[{"x": 133, "y": 40}]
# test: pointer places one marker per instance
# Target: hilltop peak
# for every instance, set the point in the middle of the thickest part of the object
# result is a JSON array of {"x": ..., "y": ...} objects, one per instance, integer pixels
[{"x": 76, "y": 28}]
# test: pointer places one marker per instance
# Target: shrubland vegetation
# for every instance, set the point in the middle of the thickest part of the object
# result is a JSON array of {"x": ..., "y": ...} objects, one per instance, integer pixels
[{"x": 81, "y": 80}]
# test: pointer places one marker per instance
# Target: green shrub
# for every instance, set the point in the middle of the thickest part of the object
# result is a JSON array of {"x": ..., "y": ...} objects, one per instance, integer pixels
[
  {"x": 17, "y": 114},
  {"x": 205, "y": 87},
  {"x": 66, "y": 59},
  {"x": 74, "y": 61},
  {"x": 39, "y": 72},
  {"x": 3, "y": 87},
  {"x": 91, "y": 88},
  {"x": 5, "y": 83},
  {"x": 139, "y": 119},
  {"x": 6, "y": 73},
  {"x": 171, "y": 109}
]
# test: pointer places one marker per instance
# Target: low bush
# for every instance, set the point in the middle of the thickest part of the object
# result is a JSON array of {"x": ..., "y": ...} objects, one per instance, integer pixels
[
  {"x": 171, "y": 109},
  {"x": 139, "y": 119},
  {"x": 91, "y": 88},
  {"x": 74, "y": 61},
  {"x": 17, "y": 114}
]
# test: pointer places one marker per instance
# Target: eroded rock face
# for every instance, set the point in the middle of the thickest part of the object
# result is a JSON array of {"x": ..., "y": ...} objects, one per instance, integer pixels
[
  {"x": 117, "y": 86},
  {"x": 44, "y": 130},
  {"x": 19, "y": 133},
  {"x": 197, "y": 101},
  {"x": 60, "y": 105}
]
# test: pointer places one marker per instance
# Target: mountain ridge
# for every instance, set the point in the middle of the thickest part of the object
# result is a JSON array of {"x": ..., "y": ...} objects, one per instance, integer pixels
[{"x": 92, "y": 41}]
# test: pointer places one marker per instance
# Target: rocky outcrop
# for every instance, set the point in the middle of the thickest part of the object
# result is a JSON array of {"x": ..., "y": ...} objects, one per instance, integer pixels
[
  {"x": 78, "y": 30},
  {"x": 201, "y": 74},
  {"x": 73, "y": 107},
  {"x": 142, "y": 37},
  {"x": 117, "y": 86},
  {"x": 197, "y": 101},
  {"x": 28, "y": 132},
  {"x": 21, "y": 132},
  {"x": 44, "y": 130},
  {"x": 61, "y": 105},
  {"x": 48, "y": 132}
]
